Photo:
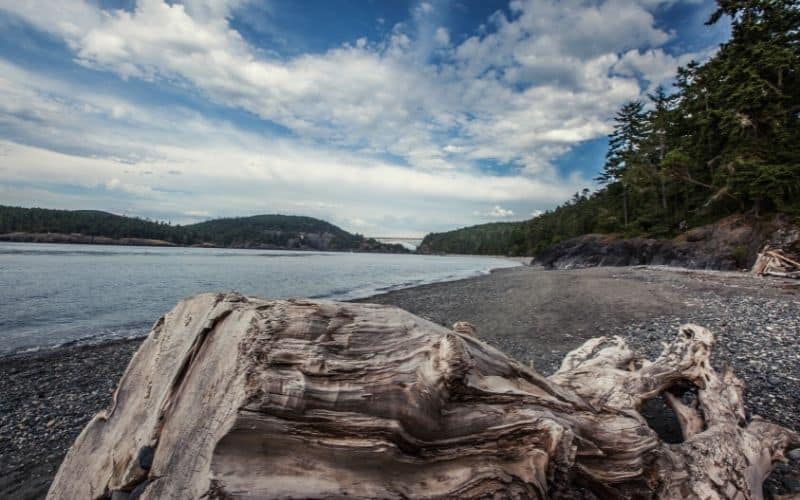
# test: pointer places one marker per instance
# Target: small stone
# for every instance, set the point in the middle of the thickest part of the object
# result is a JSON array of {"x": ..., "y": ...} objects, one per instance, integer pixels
[
  {"x": 794, "y": 455},
  {"x": 792, "y": 484},
  {"x": 146, "y": 454},
  {"x": 51, "y": 423}
]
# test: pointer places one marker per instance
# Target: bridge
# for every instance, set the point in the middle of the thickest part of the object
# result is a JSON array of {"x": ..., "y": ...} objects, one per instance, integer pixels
[{"x": 408, "y": 242}]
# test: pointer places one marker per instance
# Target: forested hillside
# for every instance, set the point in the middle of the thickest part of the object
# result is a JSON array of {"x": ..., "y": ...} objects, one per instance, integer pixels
[
  {"x": 725, "y": 140},
  {"x": 488, "y": 239},
  {"x": 88, "y": 222},
  {"x": 277, "y": 230},
  {"x": 260, "y": 231}
]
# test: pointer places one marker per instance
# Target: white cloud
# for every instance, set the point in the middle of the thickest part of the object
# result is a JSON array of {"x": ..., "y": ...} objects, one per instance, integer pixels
[
  {"x": 655, "y": 66},
  {"x": 522, "y": 92},
  {"x": 379, "y": 97},
  {"x": 442, "y": 36},
  {"x": 424, "y": 8},
  {"x": 132, "y": 167},
  {"x": 497, "y": 212}
]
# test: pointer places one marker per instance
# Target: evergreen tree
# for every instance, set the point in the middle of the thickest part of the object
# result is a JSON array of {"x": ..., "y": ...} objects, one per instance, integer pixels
[
  {"x": 727, "y": 141},
  {"x": 630, "y": 129},
  {"x": 660, "y": 121},
  {"x": 758, "y": 99}
]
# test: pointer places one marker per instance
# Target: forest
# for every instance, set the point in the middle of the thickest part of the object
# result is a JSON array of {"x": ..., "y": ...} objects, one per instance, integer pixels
[
  {"x": 485, "y": 239},
  {"x": 268, "y": 231},
  {"x": 724, "y": 140}
]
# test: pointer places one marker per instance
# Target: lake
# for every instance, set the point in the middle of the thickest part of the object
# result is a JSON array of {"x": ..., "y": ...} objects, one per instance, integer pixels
[{"x": 53, "y": 294}]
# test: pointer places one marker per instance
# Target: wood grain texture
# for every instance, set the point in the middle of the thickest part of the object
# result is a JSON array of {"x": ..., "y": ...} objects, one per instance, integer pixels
[{"x": 237, "y": 397}]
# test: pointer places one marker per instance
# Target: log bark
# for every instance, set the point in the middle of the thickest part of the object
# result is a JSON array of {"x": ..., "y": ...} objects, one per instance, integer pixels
[{"x": 237, "y": 397}]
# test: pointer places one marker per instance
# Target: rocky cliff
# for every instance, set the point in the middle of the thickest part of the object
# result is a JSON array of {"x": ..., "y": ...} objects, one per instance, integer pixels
[{"x": 729, "y": 244}]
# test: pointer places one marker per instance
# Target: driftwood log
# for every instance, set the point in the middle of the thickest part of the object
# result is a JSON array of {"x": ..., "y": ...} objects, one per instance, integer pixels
[
  {"x": 235, "y": 397},
  {"x": 773, "y": 262}
]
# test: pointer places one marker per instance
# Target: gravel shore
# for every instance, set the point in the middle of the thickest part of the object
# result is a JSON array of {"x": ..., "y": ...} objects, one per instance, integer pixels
[{"x": 535, "y": 316}]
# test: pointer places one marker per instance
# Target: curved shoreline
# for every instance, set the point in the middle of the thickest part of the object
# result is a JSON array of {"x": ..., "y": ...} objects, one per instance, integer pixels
[{"x": 354, "y": 294}]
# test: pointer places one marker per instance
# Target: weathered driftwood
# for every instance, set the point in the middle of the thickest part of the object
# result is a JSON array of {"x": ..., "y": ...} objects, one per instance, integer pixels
[
  {"x": 776, "y": 263},
  {"x": 235, "y": 397}
]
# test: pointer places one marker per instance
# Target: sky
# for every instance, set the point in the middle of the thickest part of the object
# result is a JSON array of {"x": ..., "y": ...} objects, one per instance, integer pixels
[{"x": 387, "y": 118}]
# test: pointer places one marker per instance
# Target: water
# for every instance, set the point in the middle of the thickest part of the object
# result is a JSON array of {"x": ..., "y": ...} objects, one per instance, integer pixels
[{"x": 52, "y": 294}]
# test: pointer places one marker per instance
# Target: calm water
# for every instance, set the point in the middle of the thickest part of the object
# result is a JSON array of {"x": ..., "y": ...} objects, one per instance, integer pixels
[{"x": 52, "y": 294}]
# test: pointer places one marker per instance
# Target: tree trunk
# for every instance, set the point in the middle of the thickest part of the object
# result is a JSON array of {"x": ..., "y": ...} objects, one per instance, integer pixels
[
  {"x": 662, "y": 153},
  {"x": 625, "y": 204},
  {"x": 235, "y": 397}
]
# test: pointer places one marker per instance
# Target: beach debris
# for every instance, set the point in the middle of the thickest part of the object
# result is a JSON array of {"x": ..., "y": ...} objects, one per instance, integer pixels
[
  {"x": 775, "y": 262},
  {"x": 233, "y": 397}
]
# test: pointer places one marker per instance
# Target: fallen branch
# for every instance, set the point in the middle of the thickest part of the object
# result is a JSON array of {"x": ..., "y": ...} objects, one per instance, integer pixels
[
  {"x": 238, "y": 397},
  {"x": 779, "y": 255},
  {"x": 776, "y": 263}
]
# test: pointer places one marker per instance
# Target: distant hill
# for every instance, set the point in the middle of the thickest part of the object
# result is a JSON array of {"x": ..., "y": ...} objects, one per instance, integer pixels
[
  {"x": 259, "y": 231},
  {"x": 496, "y": 238},
  {"x": 283, "y": 231}
]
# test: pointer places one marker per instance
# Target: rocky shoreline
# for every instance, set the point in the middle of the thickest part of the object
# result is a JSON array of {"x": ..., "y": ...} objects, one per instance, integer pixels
[
  {"x": 728, "y": 244},
  {"x": 536, "y": 316}
]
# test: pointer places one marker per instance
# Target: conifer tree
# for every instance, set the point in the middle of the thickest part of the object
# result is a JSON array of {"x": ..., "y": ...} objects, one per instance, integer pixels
[
  {"x": 630, "y": 129},
  {"x": 727, "y": 140}
]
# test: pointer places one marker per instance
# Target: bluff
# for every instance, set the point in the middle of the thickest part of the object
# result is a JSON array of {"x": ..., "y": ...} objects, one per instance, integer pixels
[{"x": 729, "y": 244}]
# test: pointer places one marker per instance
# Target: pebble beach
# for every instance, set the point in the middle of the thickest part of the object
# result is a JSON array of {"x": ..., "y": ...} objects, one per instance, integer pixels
[{"x": 534, "y": 315}]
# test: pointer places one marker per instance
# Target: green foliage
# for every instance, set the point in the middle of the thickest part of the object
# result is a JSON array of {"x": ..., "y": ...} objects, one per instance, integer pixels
[
  {"x": 274, "y": 230},
  {"x": 268, "y": 231},
  {"x": 728, "y": 140},
  {"x": 88, "y": 222},
  {"x": 487, "y": 239},
  {"x": 739, "y": 255}
]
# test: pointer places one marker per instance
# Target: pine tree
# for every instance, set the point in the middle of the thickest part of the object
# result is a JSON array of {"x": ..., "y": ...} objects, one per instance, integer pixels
[
  {"x": 758, "y": 100},
  {"x": 660, "y": 120},
  {"x": 630, "y": 129}
]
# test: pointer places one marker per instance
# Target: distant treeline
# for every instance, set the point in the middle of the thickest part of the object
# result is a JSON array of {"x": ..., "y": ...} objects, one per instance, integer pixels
[
  {"x": 486, "y": 239},
  {"x": 278, "y": 231},
  {"x": 726, "y": 141}
]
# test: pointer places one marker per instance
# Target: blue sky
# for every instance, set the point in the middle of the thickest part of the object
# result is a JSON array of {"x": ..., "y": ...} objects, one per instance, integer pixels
[{"x": 387, "y": 118}]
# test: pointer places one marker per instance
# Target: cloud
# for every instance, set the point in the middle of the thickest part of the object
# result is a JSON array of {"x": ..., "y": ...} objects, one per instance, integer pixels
[
  {"x": 508, "y": 96},
  {"x": 442, "y": 36},
  {"x": 200, "y": 214},
  {"x": 224, "y": 170},
  {"x": 497, "y": 212},
  {"x": 655, "y": 66},
  {"x": 518, "y": 94}
]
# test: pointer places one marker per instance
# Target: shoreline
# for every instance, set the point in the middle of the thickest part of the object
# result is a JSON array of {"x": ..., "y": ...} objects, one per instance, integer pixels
[
  {"x": 68, "y": 239},
  {"x": 99, "y": 341},
  {"x": 535, "y": 316}
]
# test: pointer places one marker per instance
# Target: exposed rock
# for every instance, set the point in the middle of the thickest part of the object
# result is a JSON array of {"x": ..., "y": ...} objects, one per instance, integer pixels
[
  {"x": 729, "y": 244},
  {"x": 241, "y": 397}
]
